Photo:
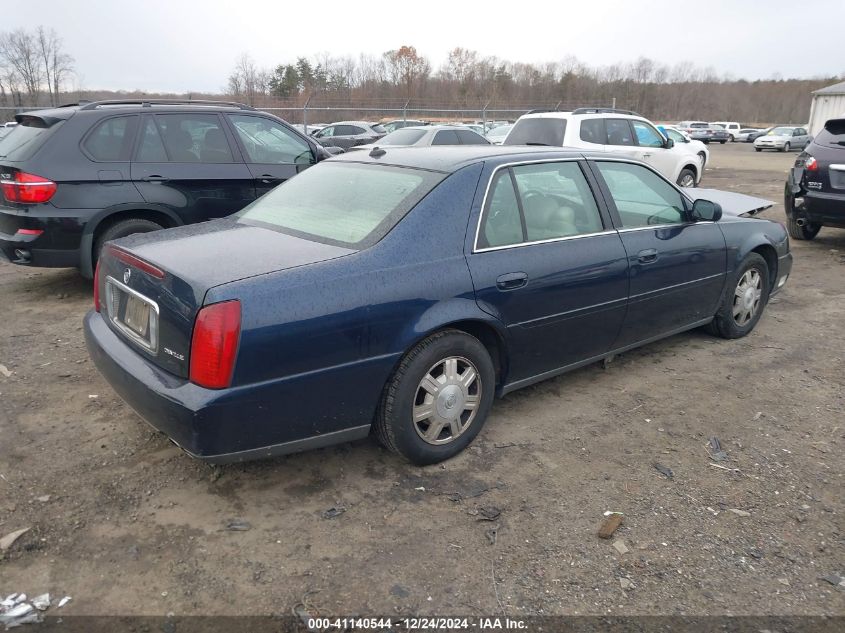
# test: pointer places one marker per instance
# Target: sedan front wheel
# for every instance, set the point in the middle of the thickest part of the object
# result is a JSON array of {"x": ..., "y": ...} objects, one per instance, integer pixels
[
  {"x": 744, "y": 299},
  {"x": 438, "y": 399}
]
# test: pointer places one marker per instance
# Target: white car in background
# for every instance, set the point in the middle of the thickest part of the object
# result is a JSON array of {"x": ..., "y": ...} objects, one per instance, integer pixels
[
  {"x": 608, "y": 130},
  {"x": 686, "y": 145},
  {"x": 732, "y": 127},
  {"x": 745, "y": 132}
]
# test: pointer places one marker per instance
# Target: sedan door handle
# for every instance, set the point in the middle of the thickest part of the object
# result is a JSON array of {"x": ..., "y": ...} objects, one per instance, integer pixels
[
  {"x": 155, "y": 178},
  {"x": 511, "y": 281},
  {"x": 648, "y": 256}
]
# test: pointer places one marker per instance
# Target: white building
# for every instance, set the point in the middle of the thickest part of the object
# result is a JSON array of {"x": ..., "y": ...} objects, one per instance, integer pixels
[{"x": 828, "y": 103}]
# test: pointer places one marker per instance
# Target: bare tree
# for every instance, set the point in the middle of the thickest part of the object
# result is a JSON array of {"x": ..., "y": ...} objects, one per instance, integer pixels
[
  {"x": 57, "y": 64},
  {"x": 246, "y": 79},
  {"x": 20, "y": 51}
]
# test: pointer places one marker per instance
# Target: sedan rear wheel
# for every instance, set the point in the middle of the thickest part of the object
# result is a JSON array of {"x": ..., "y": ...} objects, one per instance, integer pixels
[
  {"x": 438, "y": 399},
  {"x": 744, "y": 300}
]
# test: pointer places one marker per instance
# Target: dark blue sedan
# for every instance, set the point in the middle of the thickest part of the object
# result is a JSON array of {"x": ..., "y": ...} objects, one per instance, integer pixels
[{"x": 397, "y": 292}]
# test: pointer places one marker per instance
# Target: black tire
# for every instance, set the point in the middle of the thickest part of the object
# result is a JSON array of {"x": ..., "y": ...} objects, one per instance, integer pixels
[
  {"x": 785, "y": 147},
  {"x": 723, "y": 323},
  {"x": 123, "y": 228},
  {"x": 758, "y": 149},
  {"x": 394, "y": 426},
  {"x": 722, "y": 142},
  {"x": 686, "y": 174},
  {"x": 731, "y": 138},
  {"x": 806, "y": 232}
]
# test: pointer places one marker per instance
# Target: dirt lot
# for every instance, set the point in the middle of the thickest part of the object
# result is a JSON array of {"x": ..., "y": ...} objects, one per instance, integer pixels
[{"x": 126, "y": 524}]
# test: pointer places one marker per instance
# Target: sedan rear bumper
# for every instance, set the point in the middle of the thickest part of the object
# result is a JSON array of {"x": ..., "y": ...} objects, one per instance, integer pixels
[{"x": 218, "y": 426}]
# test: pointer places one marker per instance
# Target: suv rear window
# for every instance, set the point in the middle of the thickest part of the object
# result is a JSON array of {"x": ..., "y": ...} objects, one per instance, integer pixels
[
  {"x": 537, "y": 131},
  {"x": 26, "y": 138},
  {"x": 833, "y": 134}
]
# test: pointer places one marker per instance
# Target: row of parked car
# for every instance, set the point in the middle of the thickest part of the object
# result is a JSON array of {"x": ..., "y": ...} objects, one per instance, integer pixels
[{"x": 390, "y": 290}]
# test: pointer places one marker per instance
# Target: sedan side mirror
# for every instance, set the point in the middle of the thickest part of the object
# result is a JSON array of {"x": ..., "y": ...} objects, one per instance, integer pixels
[
  {"x": 669, "y": 144},
  {"x": 706, "y": 211}
]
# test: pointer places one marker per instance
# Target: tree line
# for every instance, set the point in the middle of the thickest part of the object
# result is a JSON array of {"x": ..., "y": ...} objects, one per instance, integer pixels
[
  {"x": 33, "y": 66},
  {"x": 470, "y": 80}
]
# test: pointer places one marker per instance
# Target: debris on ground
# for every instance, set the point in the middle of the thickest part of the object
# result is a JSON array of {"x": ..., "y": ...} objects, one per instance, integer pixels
[
  {"x": 739, "y": 513},
  {"x": 43, "y": 498},
  {"x": 492, "y": 534},
  {"x": 7, "y": 541},
  {"x": 664, "y": 470},
  {"x": 64, "y": 601},
  {"x": 334, "y": 512},
  {"x": 306, "y": 611},
  {"x": 610, "y": 524},
  {"x": 619, "y": 546},
  {"x": 238, "y": 525},
  {"x": 717, "y": 454},
  {"x": 836, "y": 580},
  {"x": 16, "y": 609},
  {"x": 488, "y": 513},
  {"x": 5, "y": 371},
  {"x": 625, "y": 583}
]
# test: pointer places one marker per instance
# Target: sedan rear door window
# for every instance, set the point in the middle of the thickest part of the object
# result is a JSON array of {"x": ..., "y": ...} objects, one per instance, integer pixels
[
  {"x": 556, "y": 201},
  {"x": 502, "y": 222}
]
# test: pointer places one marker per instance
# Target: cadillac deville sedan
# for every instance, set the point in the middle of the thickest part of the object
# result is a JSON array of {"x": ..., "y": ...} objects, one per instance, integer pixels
[{"x": 398, "y": 292}]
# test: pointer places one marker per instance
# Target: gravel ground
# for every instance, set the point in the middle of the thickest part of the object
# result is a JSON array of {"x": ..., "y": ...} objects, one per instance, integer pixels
[{"x": 125, "y": 523}]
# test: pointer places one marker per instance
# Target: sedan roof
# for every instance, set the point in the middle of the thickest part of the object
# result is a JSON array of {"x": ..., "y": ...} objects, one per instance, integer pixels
[{"x": 450, "y": 158}]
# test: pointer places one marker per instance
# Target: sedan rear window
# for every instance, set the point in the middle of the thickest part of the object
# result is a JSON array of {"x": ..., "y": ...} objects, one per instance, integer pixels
[
  {"x": 27, "y": 137},
  {"x": 405, "y": 136},
  {"x": 540, "y": 131},
  {"x": 345, "y": 204}
]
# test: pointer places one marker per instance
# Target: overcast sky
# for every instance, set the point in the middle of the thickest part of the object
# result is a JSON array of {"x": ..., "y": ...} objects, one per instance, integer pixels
[{"x": 191, "y": 45}]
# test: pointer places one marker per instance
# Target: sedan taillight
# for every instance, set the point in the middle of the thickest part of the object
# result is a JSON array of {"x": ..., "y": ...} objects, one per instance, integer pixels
[
  {"x": 214, "y": 345},
  {"x": 27, "y": 188}
]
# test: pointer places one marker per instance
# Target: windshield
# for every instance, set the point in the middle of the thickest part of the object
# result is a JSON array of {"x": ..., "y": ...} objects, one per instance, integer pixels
[
  {"x": 346, "y": 204},
  {"x": 405, "y": 136},
  {"x": 500, "y": 132},
  {"x": 781, "y": 131},
  {"x": 538, "y": 131},
  {"x": 378, "y": 127},
  {"x": 22, "y": 141}
]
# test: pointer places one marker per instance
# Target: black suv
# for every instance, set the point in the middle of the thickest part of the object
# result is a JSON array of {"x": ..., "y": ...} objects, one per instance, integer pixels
[
  {"x": 77, "y": 176},
  {"x": 815, "y": 186}
]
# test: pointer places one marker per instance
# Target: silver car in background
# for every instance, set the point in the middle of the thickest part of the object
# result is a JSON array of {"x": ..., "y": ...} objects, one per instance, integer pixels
[
  {"x": 783, "y": 138},
  {"x": 426, "y": 136}
]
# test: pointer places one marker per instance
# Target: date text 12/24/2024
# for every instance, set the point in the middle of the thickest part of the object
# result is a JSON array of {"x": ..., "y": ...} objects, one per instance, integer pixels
[{"x": 416, "y": 624}]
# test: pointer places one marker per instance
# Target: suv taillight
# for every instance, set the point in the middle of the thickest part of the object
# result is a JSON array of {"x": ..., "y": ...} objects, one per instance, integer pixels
[
  {"x": 214, "y": 345},
  {"x": 28, "y": 188},
  {"x": 811, "y": 164}
]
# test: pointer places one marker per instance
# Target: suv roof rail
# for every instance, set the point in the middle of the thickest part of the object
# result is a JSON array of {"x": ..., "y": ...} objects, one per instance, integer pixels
[
  {"x": 541, "y": 110},
  {"x": 604, "y": 111},
  {"x": 146, "y": 103}
]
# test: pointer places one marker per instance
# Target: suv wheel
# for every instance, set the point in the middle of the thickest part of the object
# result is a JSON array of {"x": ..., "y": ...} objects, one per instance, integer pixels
[
  {"x": 804, "y": 231},
  {"x": 686, "y": 178},
  {"x": 123, "y": 228}
]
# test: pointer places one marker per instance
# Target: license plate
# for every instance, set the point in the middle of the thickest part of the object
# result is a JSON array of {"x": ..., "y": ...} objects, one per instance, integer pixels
[
  {"x": 133, "y": 314},
  {"x": 137, "y": 316}
]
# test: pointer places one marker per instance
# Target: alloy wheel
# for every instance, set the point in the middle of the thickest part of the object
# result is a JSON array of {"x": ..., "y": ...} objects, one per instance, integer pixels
[{"x": 447, "y": 400}]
